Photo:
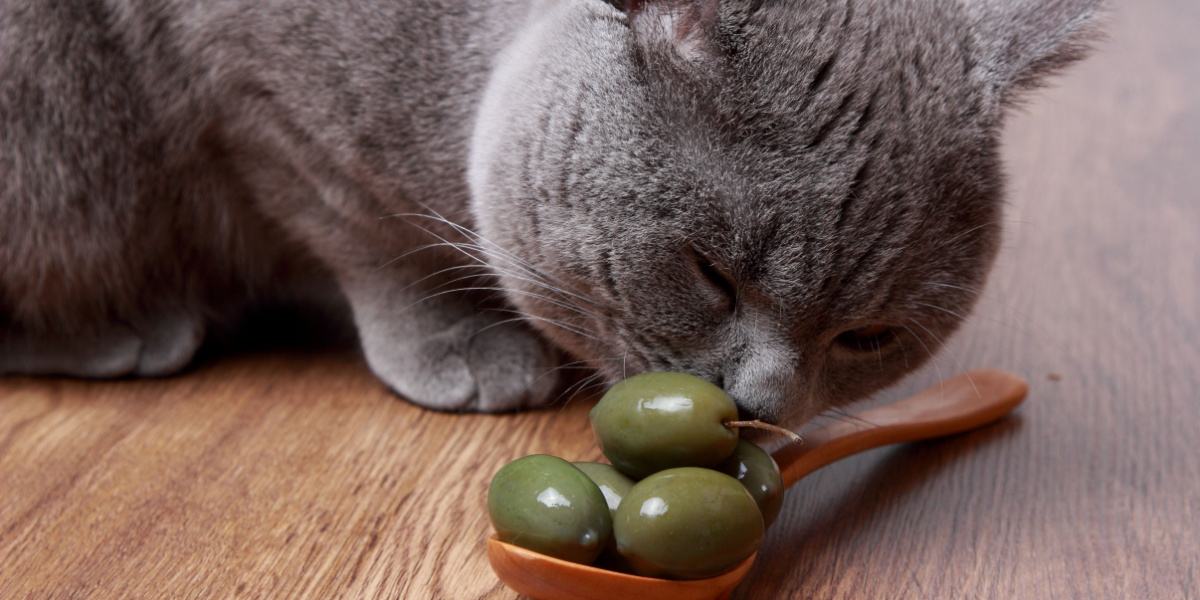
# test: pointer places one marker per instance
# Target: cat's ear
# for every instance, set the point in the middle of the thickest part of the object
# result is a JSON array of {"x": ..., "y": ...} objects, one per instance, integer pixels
[
  {"x": 686, "y": 29},
  {"x": 1019, "y": 43}
]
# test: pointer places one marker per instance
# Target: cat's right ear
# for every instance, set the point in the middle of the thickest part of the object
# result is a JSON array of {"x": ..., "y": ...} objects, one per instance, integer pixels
[
  {"x": 1019, "y": 43},
  {"x": 686, "y": 30}
]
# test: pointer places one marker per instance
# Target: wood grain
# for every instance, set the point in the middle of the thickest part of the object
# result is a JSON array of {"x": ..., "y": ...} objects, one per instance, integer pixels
[{"x": 291, "y": 474}]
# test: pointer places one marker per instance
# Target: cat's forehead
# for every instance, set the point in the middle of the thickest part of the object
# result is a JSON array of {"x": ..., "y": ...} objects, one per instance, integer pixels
[{"x": 802, "y": 76}]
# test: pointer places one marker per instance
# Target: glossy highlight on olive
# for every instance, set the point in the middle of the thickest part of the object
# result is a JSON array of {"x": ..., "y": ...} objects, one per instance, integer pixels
[
  {"x": 687, "y": 523},
  {"x": 547, "y": 505},
  {"x": 656, "y": 421}
]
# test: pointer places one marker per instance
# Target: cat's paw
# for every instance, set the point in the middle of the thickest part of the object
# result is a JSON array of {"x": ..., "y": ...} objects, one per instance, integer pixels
[
  {"x": 168, "y": 344},
  {"x": 480, "y": 364},
  {"x": 100, "y": 355},
  {"x": 156, "y": 347}
]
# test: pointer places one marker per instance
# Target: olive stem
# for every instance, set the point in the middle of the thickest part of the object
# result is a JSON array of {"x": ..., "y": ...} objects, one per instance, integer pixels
[{"x": 756, "y": 424}]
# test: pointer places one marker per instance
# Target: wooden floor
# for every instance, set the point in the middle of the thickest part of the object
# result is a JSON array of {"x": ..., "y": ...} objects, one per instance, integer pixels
[{"x": 291, "y": 474}]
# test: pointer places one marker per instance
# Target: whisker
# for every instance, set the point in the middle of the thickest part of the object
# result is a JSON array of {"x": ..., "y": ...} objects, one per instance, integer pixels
[
  {"x": 849, "y": 417},
  {"x": 938, "y": 368},
  {"x": 1008, "y": 322},
  {"x": 942, "y": 309},
  {"x": 566, "y": 305},
  {"x": 500, "y": 254},
  {"x": 577, "y": 365},
  {"x": 969, "y": 290},
  {"x": 951, "y": 240},
  {"x": 563, "y": 305},
  {"x": 446, "y": 270},
  {"x": 474, "y": 235},
  {"x": 499, "y": 251},
  {"x": 520, "y": 313},
  {"x": 957, "y": 362},
  {"x": 421, "y": 248},
  {"x": 574, "y": 389},
  {"x": 459, "y": 290},
  {"x": 522, "y": 316}
]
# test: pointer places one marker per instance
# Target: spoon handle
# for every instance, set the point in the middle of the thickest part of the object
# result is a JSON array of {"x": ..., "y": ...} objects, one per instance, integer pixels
[{"x": 956, "y": 405}]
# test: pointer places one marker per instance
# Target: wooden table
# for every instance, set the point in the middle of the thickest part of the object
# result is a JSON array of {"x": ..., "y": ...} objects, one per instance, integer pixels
[{"x": 292, "y": 474}]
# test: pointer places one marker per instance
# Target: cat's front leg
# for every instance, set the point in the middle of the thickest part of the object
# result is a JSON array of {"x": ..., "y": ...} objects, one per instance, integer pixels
[{"x": 442, "y": 350}]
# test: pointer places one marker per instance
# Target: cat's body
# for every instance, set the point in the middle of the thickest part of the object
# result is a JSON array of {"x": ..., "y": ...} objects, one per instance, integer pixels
[{"x": 167, "y": 163}]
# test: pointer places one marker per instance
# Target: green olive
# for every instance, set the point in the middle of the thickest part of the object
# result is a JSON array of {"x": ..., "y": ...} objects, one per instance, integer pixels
[
  {"x": 611, "y": 482},
  {"x": 545, "y": 504},
  {"x": 757, "y": 471},
  {"x": 687, "y": 523},
  {"x": 657, "y": 421}
]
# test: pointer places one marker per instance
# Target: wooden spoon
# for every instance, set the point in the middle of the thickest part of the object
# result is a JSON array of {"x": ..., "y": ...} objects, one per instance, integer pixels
[{"x": 960, "y": 404}]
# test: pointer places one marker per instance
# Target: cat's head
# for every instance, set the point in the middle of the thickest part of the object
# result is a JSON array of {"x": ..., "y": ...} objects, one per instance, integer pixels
[{"x": 798, "y": 200}]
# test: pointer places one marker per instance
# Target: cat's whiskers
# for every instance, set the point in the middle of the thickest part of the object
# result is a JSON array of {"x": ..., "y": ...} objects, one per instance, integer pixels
[
  {"x": 568, "y": 394},
  {"x": 524, "y": 316},
  {"x": 1007, "y": 322},
  {"x": 418, "y": 249},
  {"x": 575, "y": 327},
  {"x": 903, "y": 353},
  {"x": 534, "y": 278},
  {"x": 566, "y": 304},
  {"x": 484, "y": 272},
  {"x": 496, "y": 251},
  {"x": 505, "y": 264},
  {"x": 563, "y": 304},
  {"x": 959, "y": 236},
  {"x": 574, "y": 389},
  {"x": 942, "y": 309},
  {"x": 841, "y": 414},
  {"x": 577, "y": 365},
  {"x": 962, "y": 288},
  {"x": 563, "y": 298},
  {"x": 457, "y": 290},
  {"x": 502, "y": 253},
  {"x": 928, "y": 352},
  {"x": 580, "y": 365},
  {"x": 957, "y": 363},
  {"x": 433, "y": 215}
]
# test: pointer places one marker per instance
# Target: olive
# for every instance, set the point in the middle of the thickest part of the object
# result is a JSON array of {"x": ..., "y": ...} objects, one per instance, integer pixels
[
  {"x": 687, "y": 523},
  {"x": 757, "y": 471},
  {"x": 545, "y": 504},
  {"x": 611, "y": 482},
  {"x": 656, "y": 421}
]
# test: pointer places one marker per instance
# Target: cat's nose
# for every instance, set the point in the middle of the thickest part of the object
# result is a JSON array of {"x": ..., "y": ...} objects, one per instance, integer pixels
[
  {"x": 759, "y": 412},
  {"x": 764, "y": 387}
]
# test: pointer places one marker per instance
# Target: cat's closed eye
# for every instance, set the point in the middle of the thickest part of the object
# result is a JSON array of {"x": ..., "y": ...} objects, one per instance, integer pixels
[
  {"x": 869, "y": 338},
  {"x": 716, "y": 277}
]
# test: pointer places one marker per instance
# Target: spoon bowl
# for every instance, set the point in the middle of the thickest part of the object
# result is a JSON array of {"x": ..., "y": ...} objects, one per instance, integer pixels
[
  {"x": 960, "y": 404},
  {"x": 544, "y": 577}
]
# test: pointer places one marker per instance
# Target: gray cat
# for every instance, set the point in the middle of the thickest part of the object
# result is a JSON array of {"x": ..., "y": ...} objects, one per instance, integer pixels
[{"x": 798, "y": 200}]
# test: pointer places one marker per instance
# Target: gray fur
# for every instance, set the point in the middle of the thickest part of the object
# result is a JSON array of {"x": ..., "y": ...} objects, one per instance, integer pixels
[{"x": 719, "y": 187}]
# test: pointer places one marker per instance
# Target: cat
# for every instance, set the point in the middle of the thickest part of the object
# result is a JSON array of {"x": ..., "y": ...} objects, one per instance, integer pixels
[{"x": 797, "y": 200}]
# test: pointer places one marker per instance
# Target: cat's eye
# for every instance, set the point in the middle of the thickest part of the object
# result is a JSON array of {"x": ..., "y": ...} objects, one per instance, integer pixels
[
  {"x": 871, "y": 338},
  {"x": 716, "y": 276}
]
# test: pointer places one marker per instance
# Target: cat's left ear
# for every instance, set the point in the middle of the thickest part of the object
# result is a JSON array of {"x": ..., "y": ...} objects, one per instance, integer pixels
[{"x": 1019, "y": 43}]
